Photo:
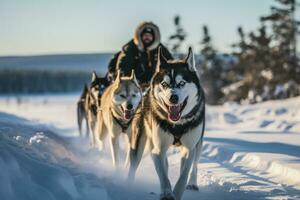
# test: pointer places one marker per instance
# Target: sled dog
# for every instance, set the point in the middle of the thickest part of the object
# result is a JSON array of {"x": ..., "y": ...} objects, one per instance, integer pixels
[
  {"x": 172, "y": 113},
  {"x": 81, "y": 112},
  {"x": 93, "y": 102},
  {"x": 118, "y": 106}
]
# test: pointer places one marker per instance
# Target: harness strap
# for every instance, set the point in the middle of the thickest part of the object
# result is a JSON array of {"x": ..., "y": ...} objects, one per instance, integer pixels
[
  {"x": 177, "y": 142},
  {"x": 123, "y": 125}
]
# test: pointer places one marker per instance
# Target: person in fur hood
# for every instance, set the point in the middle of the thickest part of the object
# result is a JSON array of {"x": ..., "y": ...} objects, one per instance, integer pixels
[{"x": 139, "y": 54}]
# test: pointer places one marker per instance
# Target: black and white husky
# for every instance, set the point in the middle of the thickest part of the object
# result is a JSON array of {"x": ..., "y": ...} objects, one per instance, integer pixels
[
  {"x": 172, "y": 113},
  {"x": 81, "y": 112},
  {"x": 89, "y": 104}
]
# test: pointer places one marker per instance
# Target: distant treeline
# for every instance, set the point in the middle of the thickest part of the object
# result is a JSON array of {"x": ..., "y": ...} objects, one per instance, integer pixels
[{"x": 14, "y": 81}]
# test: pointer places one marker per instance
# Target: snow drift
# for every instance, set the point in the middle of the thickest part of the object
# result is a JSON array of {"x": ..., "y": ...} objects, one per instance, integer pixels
[
  {"x": 35, "y": 164},
  {"x": 250, "y": 152}
]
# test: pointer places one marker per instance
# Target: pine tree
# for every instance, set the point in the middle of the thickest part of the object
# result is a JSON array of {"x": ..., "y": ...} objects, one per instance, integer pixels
[
  {"x": 241, "y": 50},
  {"x": 175, "y": 40},
  {"x": 285, "y": 30},
  {"x": 268, "y": 66},
  {"x": 207, "y": 50},
  {"x": 212, "y": 73},
  {"x": 252, "y": 75},
  {"x": 237, "y": 89}
]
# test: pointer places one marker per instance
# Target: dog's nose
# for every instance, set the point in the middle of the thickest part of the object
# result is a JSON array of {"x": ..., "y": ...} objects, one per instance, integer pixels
[
  {"x": 174, "y": 99},
  {"x": 129, "y": 106}
]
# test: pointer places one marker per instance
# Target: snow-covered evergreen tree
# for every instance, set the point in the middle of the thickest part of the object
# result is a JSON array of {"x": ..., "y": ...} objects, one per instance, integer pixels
[
  {"x": 213, "y": 70},
  {"x": 176, "y": 39},
  {"x": 253, "y": 73},
  {"x": 268, "y": 66},
  {"x": 286, "y": 71}
]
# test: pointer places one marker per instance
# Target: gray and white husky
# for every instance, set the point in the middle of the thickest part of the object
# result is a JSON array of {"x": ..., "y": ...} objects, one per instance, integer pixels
[
  {"x": 118, "y": 106},
  {"x": 172, "y": 113}
]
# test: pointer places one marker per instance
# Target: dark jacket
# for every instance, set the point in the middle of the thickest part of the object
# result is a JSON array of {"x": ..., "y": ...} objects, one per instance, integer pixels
[
  {"x": 112, "y": 65},
  {"x": 133, "y": 56}
]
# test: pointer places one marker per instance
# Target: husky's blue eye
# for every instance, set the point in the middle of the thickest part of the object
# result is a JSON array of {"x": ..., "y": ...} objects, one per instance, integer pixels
[
  {"x": 123, "y": 96},
  {"x": 165, "y": 85}
]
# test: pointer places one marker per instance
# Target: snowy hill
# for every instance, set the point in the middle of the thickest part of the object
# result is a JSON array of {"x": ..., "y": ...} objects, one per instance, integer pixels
[
  {"x": 250, "y": 152},
  {"x": 35, "y": 163}
]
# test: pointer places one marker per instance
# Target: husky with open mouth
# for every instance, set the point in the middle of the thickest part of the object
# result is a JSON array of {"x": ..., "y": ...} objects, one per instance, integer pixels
[
  {"x": 118, "y": 106},
  {"x": 172, "y": 113}
]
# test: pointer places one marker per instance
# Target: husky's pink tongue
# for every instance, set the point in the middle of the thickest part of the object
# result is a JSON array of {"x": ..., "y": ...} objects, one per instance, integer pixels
[{"x": 174, "y": 112}]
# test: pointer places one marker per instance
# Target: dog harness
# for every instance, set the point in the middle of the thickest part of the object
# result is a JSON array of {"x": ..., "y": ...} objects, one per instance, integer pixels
[
  {"x": 124, "y": 125},
  {"x": 176, "y": 141},
  {"x": 177, "y": 131}
]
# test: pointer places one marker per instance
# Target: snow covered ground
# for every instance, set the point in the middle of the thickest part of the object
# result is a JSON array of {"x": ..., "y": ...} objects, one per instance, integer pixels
[{"x": 250, "y": 152}]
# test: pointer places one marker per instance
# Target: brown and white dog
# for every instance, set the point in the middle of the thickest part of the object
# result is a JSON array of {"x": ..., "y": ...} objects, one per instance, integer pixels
[{"x": 118, "y": 106}]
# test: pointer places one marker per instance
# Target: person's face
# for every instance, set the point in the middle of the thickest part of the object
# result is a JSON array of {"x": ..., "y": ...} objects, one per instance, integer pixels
[{"x": 147, "y": 38}]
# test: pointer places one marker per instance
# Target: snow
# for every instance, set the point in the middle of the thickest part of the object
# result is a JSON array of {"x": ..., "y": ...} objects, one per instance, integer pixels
[{"x": 249, "y": 152}]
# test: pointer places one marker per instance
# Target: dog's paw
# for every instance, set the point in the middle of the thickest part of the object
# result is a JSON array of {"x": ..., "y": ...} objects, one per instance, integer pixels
[
  {"x": 192, "y": 187},
  {"x": 168, "y": 196}
]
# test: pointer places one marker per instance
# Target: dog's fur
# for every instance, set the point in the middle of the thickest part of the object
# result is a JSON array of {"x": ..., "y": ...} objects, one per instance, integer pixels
[
  {"x": 119, "y": 103},
  {"x": 81, "y": 112},
  {"x": 172, "y": 113},
  {"x": 93, "y": 102}
]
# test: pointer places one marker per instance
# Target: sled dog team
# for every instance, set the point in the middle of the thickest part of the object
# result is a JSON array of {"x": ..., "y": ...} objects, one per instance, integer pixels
[
  {"x": 172, "y": 112},
  {"x": 169, "y": 111}
]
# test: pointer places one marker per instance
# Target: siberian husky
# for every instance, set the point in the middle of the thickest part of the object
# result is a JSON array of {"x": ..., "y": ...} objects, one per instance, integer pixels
[
  {"x": 93, "y": 102},
  {"x": 172, "y": 113},
  {"x": 81, "y": 112},
  {"x": 118, "y": 106}
]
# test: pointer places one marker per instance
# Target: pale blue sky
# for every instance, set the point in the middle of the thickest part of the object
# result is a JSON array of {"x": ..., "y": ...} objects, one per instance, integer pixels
[{"x": 76, "y": 26}]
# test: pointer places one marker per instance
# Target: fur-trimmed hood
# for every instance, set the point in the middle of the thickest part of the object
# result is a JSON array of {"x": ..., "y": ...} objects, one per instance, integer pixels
[{"x": 137, "y": 35}]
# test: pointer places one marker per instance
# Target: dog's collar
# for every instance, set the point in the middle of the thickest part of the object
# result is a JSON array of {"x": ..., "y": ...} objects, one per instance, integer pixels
[{"x": 196, "y": 116}]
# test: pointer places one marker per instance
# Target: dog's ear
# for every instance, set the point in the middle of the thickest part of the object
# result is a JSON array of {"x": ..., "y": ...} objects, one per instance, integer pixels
[
  {"x": 132, "y": 76},
  {"x": 94, "y": 76},
  {"x": 160, "y": 59},
  {"x": 118, "y": 77},
  {"x": 190, "y": 60}
]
